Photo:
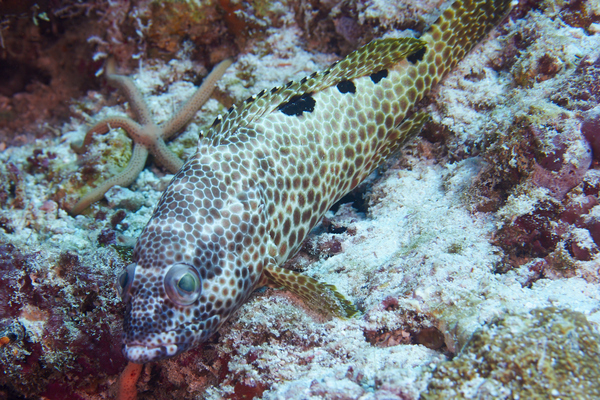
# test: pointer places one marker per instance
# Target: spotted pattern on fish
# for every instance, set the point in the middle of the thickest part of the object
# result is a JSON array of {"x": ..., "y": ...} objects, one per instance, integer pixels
[{"x": 265, "y": 174}]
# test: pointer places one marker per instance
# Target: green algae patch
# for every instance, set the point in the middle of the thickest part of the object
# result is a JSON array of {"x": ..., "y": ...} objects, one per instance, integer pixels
[{"x": 546, "y": 353}]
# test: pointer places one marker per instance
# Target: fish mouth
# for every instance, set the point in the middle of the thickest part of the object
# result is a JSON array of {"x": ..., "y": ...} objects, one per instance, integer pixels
[
  {"x": 143, "y": 351},
  {"x": 140, "y": 353}
]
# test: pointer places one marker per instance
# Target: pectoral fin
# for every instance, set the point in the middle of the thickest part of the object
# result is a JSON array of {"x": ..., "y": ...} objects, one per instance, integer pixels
[{"x": 321, "y": 296}]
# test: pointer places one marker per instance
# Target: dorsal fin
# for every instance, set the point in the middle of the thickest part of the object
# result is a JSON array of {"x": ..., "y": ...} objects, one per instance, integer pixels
[{"x": 377, "y": 55}]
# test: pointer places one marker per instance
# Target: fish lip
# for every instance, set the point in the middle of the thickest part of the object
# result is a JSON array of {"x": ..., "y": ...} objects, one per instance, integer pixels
[
  {"x": 148, "y": 352},
  {"x": 143, "y": 353},
  {"x": 152, "y": 347},
  {"x": 146, "y": 346}
]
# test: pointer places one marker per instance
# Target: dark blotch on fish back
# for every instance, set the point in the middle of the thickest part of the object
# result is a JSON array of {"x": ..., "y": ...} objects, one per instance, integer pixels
[
  {"x": 417, "y": 55},
  {"x": 379, "y": 75},
  {"x": 346, "y": 86},
  {"x": 298, "y": 104}
]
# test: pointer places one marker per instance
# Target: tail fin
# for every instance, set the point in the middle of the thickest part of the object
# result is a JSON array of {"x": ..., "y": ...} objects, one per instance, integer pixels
[{"x": 456, "y": 31}]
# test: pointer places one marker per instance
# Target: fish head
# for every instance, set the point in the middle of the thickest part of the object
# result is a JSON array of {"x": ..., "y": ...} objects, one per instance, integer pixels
[{"x": 196, "y": 262}]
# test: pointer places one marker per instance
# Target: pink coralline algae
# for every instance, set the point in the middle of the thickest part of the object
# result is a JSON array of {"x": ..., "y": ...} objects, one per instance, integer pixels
[
  {"x": 564, "y": 165},
  {"x": 65, "y": 325},
  {"x": 582, "y": 91},
  {"x": 553, "y": 146},
  {"x": 590, "y": 128}
]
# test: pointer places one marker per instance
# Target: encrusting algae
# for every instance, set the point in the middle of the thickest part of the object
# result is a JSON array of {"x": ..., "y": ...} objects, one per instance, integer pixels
[
  {"x": 265, "y": 174},
  {"x": 546, "y": 353}
]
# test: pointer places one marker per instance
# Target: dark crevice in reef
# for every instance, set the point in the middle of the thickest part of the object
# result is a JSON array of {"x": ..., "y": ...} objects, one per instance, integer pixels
[{"x": 359, "y": 197}]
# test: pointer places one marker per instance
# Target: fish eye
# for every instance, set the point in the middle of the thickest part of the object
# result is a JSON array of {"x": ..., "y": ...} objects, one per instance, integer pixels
[
  {"x": 124, "y": 281},
  {"x": 182, "y": 284}
]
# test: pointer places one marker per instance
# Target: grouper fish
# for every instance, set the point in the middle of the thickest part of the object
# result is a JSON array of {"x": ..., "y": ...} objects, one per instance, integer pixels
[{"x": 264, "y": 175}]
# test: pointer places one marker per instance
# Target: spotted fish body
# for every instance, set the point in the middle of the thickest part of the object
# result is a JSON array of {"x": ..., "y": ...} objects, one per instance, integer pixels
[{"x": 266, "y": 173}]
